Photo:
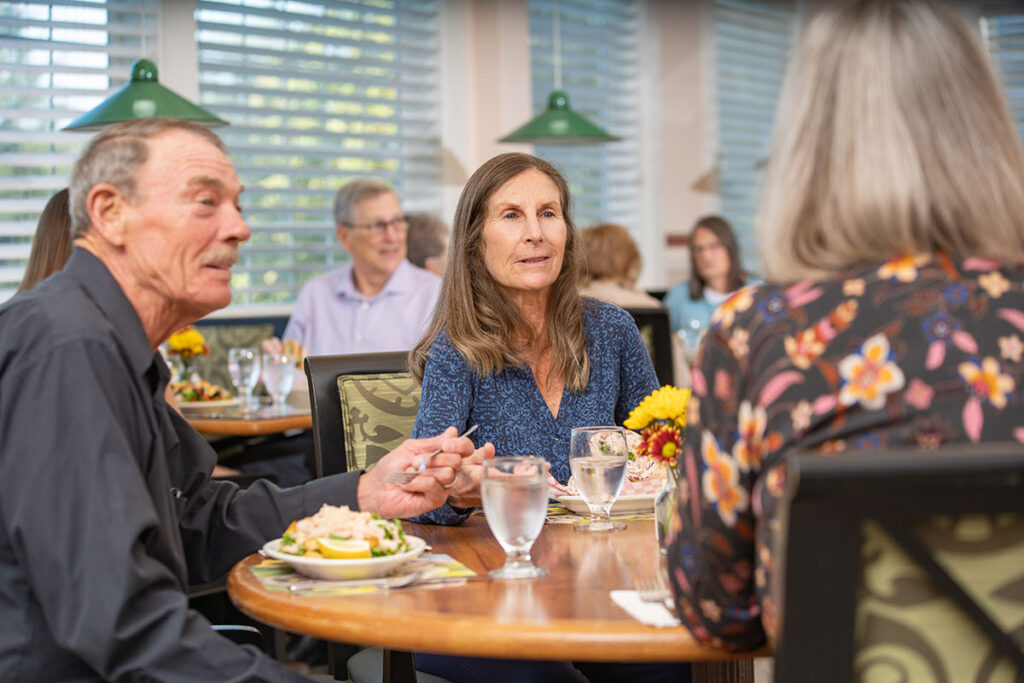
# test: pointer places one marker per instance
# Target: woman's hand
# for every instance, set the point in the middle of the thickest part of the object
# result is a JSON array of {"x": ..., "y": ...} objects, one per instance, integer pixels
[{"x": 465, "y": 491}]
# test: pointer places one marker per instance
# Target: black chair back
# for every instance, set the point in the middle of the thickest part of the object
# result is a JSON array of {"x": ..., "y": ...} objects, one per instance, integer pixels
[
  {"x": 325, "y": 401},
  {"x": 876, "y": 572},
  {"x": 657, "y": 335}
]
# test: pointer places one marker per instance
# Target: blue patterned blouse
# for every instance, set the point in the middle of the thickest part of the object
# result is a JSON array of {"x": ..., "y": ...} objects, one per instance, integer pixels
[{"x": 509, "y": 407}]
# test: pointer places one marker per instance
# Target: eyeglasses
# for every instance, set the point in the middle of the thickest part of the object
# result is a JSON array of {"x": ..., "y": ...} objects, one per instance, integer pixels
[{"x": 380, "y": 227}]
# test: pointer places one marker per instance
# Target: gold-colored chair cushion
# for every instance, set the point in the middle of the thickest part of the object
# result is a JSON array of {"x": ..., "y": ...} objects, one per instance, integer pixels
[
  {"x": 907, "y": 629},
  {"x": 377, "y": 413}
]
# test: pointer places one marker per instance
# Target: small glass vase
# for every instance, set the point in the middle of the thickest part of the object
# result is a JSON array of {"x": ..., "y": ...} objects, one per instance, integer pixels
[
  {"x": 665, "y": 506},
  {"x": 190, "y": 370}
]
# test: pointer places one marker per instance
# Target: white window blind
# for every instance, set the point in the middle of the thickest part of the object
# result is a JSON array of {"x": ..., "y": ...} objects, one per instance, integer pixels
[
  {"x": 752, "y": 43},
  {"x": 1002, "y": 25},
  {"x": 318, "y": 93},
  {"x": 601, "y": 75},
  {"x": 58, "y": 60}
]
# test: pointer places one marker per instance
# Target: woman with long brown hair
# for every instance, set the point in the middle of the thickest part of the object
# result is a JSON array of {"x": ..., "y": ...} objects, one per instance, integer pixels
[
  {"x": 514, "y": 349},
  {"x": 51, "y": 245}
]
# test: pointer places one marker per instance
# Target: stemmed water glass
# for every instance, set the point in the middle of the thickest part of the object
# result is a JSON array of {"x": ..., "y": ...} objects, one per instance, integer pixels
[
  {"x": 244, "y": 368},
  {"x": 598, "y": 457},
  {"x": 278, "y": 375},
  {"x": 515, "y": 495}
]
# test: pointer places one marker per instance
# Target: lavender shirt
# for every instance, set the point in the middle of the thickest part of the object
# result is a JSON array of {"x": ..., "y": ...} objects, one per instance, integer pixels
[{"x": 331, "y": 316}]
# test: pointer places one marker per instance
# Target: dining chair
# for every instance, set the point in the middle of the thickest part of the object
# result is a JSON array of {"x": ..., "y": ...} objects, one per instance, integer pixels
[
  {"x": 363, "y": 405},
  {"x": 657, "y": 335},
  {"x": 903, "y": 565}
]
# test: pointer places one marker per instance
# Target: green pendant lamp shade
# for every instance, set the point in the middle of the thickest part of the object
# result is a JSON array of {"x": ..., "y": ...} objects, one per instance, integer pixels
[
  {"x": 141, "y": 97},
  {"x": 559, "y": 125}
]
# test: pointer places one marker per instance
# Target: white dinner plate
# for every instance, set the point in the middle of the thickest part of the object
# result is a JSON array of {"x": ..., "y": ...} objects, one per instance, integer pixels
[
  {"x": 624, "y": 505},
  {"x": 201, "y": 406},
  {"x": 322, "y": 568}
]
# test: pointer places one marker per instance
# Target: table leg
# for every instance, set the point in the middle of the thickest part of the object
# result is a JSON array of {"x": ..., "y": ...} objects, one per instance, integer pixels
[
  {"x": 399, "y": 667},
  {"x": 731, "y": 671}
]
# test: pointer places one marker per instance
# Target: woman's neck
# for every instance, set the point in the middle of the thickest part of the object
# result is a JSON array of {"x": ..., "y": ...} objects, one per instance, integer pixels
[{"x": 720, "y": 285}]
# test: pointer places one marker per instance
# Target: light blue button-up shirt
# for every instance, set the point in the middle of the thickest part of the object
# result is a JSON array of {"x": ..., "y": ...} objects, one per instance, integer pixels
[{"x": 331, "y": 316}]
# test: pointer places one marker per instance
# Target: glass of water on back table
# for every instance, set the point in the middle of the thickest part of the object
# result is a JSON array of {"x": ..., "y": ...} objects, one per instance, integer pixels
[
  {"x": 515, "y": 493},
  {"x": 598, "y": 457}
]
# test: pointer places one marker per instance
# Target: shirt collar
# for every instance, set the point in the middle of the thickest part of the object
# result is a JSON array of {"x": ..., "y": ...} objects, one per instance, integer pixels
[
  {"x": 400, "y": 282},
  {"x": 97, "y": 282}
]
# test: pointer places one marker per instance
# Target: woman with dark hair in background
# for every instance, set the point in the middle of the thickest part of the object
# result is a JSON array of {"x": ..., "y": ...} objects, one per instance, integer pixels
[
  {"x": 893, "y": 233},
  {"x": 715, "y": 272},
  {"x": 51, "y": 245}
]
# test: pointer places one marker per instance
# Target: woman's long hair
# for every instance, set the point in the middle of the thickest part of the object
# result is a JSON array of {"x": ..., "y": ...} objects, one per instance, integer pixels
[
  {"x": 721, "y": 229},
  {"x": 51, "y": 245},
  {"x": 893, "y": 137},
  {"x": 480, "y": 321}
]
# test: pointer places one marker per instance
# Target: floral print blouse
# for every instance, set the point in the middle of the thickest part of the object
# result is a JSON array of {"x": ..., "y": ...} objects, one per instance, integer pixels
[{"x": 918, "y": 351}]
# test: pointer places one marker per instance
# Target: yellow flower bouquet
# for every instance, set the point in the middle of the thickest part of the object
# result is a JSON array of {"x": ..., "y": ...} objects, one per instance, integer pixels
[
  {"x": 661, "y": 419},
  {"x": 188, "y": 343}
]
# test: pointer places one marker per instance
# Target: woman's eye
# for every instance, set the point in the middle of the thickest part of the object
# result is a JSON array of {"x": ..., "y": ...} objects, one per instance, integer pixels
[
  {"x": 548, "y": 214},
  {"x": 510, "y": 214}
]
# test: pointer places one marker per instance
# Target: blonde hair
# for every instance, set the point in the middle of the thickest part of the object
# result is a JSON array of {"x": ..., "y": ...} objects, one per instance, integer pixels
[
  {"x": 610, "y": 254},
  {"x": 893, "y": 136},
  {"x": 479, "y": 320}
]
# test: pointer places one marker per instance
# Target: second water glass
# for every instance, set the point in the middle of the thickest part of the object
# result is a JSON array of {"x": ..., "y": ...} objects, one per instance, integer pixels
[
  {"x": 278, "y": 375},
  {"x": 244, "y": 368},
  {"x": 515, "y": 494},
  {"x": 598, "y": 457}
]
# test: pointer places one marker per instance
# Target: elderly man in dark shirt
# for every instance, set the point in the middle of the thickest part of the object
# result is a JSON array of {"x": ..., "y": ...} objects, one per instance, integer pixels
[{"x": 107, "y": 509}]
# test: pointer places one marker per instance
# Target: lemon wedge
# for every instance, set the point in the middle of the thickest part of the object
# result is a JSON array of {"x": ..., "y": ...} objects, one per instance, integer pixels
[{"x": 337, "y": 549}]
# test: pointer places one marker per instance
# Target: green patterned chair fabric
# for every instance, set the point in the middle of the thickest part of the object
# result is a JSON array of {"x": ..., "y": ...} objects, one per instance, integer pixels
[
  {"x": 220, "y": 338},
  {"x": 377, "y": 412},
  {"x": 907, "y": 628},
  {"x": 902, "y": 566}
]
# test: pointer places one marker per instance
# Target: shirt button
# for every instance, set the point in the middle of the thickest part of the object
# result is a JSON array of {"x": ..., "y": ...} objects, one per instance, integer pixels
[
  {"x": 359, "y": 337},
  {"x": 366, "y": 305}
]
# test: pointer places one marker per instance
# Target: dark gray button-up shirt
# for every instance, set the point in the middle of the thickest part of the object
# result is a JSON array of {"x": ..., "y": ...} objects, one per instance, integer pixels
[{"x": 107, "y": 509}]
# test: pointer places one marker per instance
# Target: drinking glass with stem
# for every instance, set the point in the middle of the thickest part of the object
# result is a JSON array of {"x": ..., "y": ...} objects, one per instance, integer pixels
[
  {"x": 278, "y": 374},
  {"x": 244, "y": 368},
  {"x": 515, "y": 494},
  {"x": 598, "y": 457}
]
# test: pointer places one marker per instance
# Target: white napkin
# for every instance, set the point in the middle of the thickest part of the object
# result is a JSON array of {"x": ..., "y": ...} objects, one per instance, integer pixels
[{"x": 650, "y": 613}]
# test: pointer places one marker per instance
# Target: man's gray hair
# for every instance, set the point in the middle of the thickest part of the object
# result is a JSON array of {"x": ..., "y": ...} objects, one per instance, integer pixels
[
  {"x": 115, "y": 156},
  {"x": 353, "y": 192}
]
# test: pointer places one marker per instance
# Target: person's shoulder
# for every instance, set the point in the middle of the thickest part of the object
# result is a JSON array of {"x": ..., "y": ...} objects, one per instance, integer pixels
[
  {"x": 444, "y": 356},
  {"x": 53, "y": 315}
]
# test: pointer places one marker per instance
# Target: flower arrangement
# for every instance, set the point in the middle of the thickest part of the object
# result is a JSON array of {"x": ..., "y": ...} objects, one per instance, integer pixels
[
  {"x": 187, "y": 343},
  {"x": 662, "y": 419}
]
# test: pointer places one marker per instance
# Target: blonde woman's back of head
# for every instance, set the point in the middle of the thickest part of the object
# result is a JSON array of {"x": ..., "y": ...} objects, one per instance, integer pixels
[{"x": 892, "y": 136}]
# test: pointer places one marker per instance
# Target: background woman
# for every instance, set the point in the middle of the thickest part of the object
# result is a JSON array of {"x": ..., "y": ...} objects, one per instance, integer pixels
[
  {"x": 51, "y": 245},
  {"x": 893, "y": 233},
  {"x": 513, "y": 348},
  {"x": 715, "y": 273},
  {"x": 611, "y": 265}
]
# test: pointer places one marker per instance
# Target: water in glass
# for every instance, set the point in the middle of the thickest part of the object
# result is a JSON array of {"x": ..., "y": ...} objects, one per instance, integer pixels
[
  {"x": 515, "y": 496},
  {"x": 598, "y": 458},
  {"x": 244, "y": 368},
  {"x": 278, "y": 375}
]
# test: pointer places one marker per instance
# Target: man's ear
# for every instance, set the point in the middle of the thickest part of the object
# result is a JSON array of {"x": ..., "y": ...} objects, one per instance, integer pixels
[
  {"x": 108, "y": 213},
  {"x": 342, "y": 233}
]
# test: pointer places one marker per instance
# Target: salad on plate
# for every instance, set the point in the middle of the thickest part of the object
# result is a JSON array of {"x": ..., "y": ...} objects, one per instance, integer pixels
[{"x": 336, "y": 532}]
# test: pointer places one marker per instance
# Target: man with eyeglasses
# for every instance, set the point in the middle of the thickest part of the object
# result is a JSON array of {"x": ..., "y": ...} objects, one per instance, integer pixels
[{"x": 380, "y": 301}]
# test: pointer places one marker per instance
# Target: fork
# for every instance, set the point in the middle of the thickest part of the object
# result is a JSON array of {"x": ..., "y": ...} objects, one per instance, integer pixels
[
  {"x": 401, "y": 478},
  {"x": 652, "y": 590}
]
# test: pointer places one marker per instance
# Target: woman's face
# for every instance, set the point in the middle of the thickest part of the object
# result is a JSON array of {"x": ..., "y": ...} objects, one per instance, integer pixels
[
  {"x": 710, "y": 255},
  {"x": 524, "y": 233}
]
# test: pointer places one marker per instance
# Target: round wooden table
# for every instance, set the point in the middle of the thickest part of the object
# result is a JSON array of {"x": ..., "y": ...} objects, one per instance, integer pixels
[{"x": 567, "y": 614}]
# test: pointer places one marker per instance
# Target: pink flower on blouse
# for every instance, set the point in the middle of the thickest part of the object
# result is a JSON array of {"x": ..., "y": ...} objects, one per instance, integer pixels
[
  {"x": 1011, "y": 348},
  {"x": 919, "y": 394}
]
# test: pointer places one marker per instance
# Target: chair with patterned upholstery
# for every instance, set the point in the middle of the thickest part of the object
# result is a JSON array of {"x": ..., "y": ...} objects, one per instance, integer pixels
[
  {"x": 364, "y": 405},
  {"x": 903, "y": 565}
]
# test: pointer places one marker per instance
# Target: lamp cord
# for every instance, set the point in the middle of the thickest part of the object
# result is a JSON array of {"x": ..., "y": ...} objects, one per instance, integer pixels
[{"x": 557, "y": 43}]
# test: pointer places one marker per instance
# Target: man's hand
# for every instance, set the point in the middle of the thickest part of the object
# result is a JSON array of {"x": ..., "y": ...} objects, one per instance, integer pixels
[{"x": 428, "y": 490}]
